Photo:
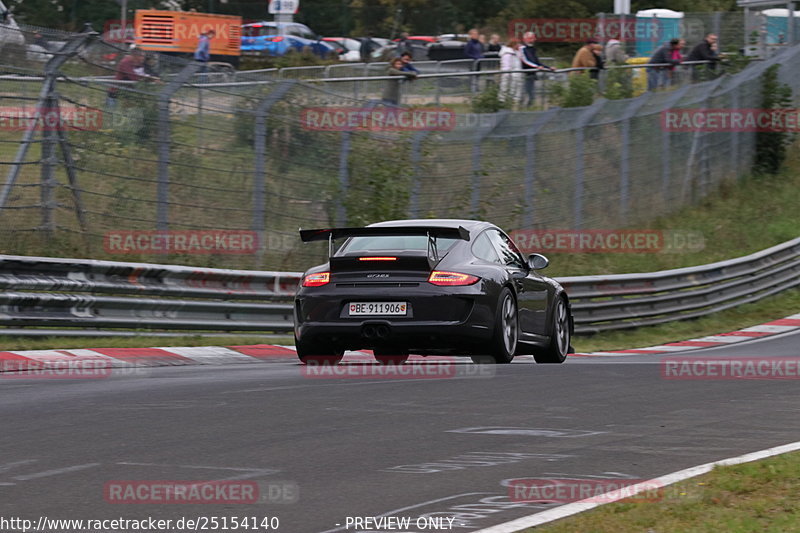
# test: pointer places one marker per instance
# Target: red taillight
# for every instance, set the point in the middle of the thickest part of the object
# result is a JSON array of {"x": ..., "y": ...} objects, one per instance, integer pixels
[
  {"x": 317, "y": 280},
  {"x": 277, "y": 39},
  {"x": 377, "y": 258},
  {"x": 438, "y": 277}
]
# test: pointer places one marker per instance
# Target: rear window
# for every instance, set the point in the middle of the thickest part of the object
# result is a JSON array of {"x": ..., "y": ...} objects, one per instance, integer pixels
[{"x": 410, "y": 242}]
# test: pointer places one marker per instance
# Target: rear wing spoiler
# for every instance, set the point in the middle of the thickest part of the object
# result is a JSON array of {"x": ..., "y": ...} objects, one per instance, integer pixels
[{"x": 309, "y": 235}]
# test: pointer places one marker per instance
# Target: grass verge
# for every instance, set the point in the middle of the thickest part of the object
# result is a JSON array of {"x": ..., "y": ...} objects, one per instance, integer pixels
[
  {"x": 778, "y": 306},
  {"x": 757, "y": 496}
]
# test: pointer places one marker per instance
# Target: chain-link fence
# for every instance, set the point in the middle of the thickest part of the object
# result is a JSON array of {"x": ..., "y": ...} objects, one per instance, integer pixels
[{"x": 91, "y": 163}]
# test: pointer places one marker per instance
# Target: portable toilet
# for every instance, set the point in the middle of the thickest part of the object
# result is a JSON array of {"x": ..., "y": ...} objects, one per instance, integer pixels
[
  {"x": 777, "y": 25},
  {"x": 655, "y": 27}
]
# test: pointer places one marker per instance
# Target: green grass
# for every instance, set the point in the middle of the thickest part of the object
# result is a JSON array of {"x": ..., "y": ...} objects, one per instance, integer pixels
[
  {"x": 757, "y": 496},
  {"x": 772, "y": 308}
]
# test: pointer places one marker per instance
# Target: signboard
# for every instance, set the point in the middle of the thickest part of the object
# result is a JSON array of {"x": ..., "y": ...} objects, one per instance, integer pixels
[{"x": 283, "y": 7}]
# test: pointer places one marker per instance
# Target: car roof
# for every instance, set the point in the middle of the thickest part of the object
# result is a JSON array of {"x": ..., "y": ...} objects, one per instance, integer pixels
[{"x": 471, "y": 225}]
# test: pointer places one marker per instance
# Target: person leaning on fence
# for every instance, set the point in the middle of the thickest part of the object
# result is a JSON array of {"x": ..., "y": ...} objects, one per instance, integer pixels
[
  {"x": 511, "y": 82},
  {"x": 615, "y": 53},
  {"x": 531, "y": 63},
  {"x": 584, "y": 58},
  {"x": 705, "y": 50},
  {"x": 131, "y": 68},
  {"x": 668, "y": 55},
  {"x": 391, "y": 93},
  {"x": 407, "y": 65}
]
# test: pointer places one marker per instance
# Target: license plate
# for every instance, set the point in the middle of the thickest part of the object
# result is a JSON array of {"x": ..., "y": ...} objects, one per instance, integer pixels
[{"x": 377, "y": 308}]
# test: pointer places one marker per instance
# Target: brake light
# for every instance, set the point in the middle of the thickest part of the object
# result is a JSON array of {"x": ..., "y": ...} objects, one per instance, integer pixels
[
  {"x": 451, "y": 279},
  {"x": 317, "y": 280},
  {"x": 377, "y": 258},
  {"x": 277, "y": 39}
]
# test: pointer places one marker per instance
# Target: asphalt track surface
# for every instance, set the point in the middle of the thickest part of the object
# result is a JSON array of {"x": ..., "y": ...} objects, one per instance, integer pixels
[{"x": 374, "y": 447}]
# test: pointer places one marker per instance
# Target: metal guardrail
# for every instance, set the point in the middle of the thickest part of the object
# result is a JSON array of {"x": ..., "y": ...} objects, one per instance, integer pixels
[{"x": 38, "y": 292}]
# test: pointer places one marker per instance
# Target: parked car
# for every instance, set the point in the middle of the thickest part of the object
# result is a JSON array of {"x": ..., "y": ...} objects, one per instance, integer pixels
[
  {"x": 347, "y": 48},
  {"x": 279, "y": 38},
  {"x": 429, "y": 287}
]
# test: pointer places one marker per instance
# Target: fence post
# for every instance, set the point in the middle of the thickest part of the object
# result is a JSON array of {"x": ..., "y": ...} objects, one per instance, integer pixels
[
  {"x": 475, "y": 185},
  {"x": 665, "y": 144},
  {"x": 259, "y": 174},
  {"x": 624, "y": 168},
  {"x": 530, "y": 163},
  {"x": 164, "y": 99},
  {"x": 416, "y": 185},
  {"x": 46, "y": 96},
  {"x": 577, "y": 196},
  {"x": 344, "y": 179},
  {"x": 698, "y": 150}
]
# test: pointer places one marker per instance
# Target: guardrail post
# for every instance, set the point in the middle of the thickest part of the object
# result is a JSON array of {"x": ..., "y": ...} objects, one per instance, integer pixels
[
  {"x": 259, "y": 174},
  {"x": 164, "y": 99},
  {"x": 577, "y": 196},
  {"x": 530, "y": 164}
]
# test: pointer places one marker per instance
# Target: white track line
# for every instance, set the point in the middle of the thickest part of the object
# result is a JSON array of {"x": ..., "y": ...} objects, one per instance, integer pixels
[{"x": 570, "y": 509}]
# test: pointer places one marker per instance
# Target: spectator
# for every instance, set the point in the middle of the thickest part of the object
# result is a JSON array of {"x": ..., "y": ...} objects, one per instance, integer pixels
[
  {"x": 407, "y": 66},
  {"x": 493, "y": 47},
  {"x": 39, "y": 40},
  {"x": 615, "y": 53},
  {"x": 511, "y": 83},
  {"x": 131, "y": 68},
  {"x": 367, "y": 47},
  {"x": 203, "y": 51},
  {"x": 391, "y": 93},
  {"x": 597, "y": 50},
  {"x": 474, "y": 48},
  {"x": 668, "y": 55},
  {"x": 530, "y": 62},
  {"x": 584, "y": 57},
  {"x": 705, "y": 50},
  {"x": 404, "y": 45}
]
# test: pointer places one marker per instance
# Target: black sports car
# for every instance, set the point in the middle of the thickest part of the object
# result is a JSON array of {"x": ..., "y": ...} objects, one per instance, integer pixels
[{"x": 429, "y": 287}]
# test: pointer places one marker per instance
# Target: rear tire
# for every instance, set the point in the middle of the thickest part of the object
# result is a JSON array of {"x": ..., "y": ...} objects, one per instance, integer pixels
[
  {"x": 506, "y": 332},
  {"x": 560, "y": 336},
  {"x": 314, "y": 354}
]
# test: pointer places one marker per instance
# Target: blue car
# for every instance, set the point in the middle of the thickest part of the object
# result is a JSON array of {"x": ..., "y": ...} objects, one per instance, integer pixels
[{"x": 279, "y": 38}]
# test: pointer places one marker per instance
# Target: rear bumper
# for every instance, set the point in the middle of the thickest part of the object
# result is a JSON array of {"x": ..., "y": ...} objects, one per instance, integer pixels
[{"x": 439, "y": 320}]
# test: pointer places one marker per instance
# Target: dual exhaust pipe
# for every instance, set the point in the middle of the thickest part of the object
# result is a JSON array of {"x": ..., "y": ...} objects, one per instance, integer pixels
[{"x": 375, "y": 331}]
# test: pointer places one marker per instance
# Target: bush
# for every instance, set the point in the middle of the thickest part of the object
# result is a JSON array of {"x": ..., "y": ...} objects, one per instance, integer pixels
[
  {"x": 771, "y": 146},
  {"x": 489, "y": 101},
  {"x": 579, "y": 91}
]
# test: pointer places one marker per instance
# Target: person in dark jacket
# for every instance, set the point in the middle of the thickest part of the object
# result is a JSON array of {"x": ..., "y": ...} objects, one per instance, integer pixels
[
  {"x": 474, "y": 48},
  {"x": 668, "y": 55},
  {"x": 404, "y": 45},
  {"x": 531, "y": 63},
  {"x": 705, "y": 50},
  {"x": 367, "y": 47},
  {"x": 407, "y": 66}
]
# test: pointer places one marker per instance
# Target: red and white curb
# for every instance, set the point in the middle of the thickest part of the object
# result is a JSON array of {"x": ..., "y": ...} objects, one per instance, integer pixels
[
  {"x": 11, "y": 361},
  {"x": 790, "y": 323}
]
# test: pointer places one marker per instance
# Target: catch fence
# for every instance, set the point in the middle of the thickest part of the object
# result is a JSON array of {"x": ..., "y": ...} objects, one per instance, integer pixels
[{"x": 85, "y": 175}]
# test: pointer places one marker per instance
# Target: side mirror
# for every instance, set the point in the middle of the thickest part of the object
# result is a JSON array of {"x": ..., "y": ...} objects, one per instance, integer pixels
[{"x": 537, "y": 261}]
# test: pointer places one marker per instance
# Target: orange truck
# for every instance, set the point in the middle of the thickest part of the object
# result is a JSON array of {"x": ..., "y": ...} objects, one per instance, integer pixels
[{"x": 178, "y": 32}]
